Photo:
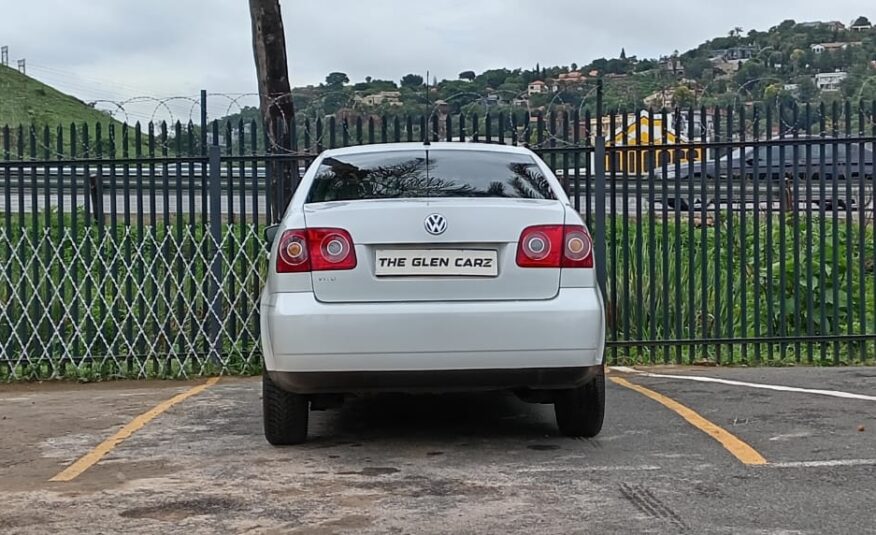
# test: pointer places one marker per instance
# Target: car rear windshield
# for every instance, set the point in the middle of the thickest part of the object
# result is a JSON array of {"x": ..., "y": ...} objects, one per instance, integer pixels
[{"x": 428, "y": 173}]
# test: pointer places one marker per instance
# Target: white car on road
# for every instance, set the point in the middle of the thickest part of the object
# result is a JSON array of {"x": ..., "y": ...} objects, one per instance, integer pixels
[{"x": 430, "y": 268}]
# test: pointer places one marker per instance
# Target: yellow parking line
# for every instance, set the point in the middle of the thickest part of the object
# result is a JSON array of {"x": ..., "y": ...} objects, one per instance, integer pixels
[
  {"x": 94, "y": 456},
  {"x": 739, "y": 449}
]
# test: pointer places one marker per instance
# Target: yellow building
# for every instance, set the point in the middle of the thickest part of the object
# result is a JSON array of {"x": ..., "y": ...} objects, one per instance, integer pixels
[{"x": 638, "y": 133}]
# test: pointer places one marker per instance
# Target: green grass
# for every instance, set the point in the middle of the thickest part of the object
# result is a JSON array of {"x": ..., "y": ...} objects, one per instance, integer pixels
[
  {"x": 29, "y": 105},
  {"x": 29, "y": 102}
]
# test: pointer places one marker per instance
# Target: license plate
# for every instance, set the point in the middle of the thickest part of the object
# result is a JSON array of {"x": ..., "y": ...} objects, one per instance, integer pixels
[{"x": 436, "y": 262}]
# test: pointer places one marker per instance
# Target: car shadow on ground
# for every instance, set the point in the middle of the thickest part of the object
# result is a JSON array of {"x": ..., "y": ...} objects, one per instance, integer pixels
[{"x": 440, "y": 418}]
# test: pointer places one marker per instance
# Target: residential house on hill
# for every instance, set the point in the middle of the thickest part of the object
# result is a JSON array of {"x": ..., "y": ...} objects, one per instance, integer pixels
[
  {"x": 737, "y": 53},
  {"x": 392, "y": 98},
  {"x": 820, "y": 48},
  {"x": 830, "y": 81},
  {"x": 672, "y": 64},
  {"x": 833, "y": 25},
  {"x": 537, "y": 87},
  {"x": 571, "y": 79}
]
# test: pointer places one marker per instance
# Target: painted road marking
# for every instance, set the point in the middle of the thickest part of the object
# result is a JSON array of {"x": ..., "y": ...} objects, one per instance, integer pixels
[
  {"x": 94, "y": 456},
  {"x": 780, "y": 388},
  {"x": 632, "y": 468},
  {"x": 820, "y": 464},
  {"x": 739, "y": 449}
]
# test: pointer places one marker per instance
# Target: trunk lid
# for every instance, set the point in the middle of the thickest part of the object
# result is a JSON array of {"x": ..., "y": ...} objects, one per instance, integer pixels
[{"x": 390, "y": 229}]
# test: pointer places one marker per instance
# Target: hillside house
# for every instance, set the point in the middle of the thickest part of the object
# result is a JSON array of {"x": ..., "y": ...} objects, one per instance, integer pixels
[
  {"x": 737, "y": 53},
  {"x": 520, "y": 102},
  {"x": 830, "y": 81},
  {"x": 571, "y": 79},
  {"x": 392, "y": 98},
  {"x": 833, "y": 25},
  {"x": 536, "y": 88},
  {"x": 820, "y": 48},
  {"x": 672, "y": 64}
]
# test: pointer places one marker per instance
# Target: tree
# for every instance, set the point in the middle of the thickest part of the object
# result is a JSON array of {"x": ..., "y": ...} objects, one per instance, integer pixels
[
  {"x": 272, "y": 75},
  {"x": 269, "y": 51},
  {"x": 697, "y": 67},
  {"x": 411, "y": 81},
  {"x": 806, "y": 89},
  {"x": 574, "y": 66},
  {"x": 336, "y": 80},
  {"x": 683, "y": 97},
  {"x": 623, "y": 54},
  {"x": 467, "y": 75},
  {"x": 862, "y": 21},
  {"x": 368, "y": 79},
  {"x": 797, "y": 57}
]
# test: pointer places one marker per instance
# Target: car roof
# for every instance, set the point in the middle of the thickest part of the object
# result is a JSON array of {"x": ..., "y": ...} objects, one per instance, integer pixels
[{"x": 442, "y": 146}]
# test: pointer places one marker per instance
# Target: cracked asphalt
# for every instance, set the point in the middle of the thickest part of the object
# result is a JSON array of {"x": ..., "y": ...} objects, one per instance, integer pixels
[{"x": 478, "y": 463}]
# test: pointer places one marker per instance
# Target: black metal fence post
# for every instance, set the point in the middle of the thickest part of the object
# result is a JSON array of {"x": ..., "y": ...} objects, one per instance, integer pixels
[
  {"x": 215, "y": 193},
  {"x": 599, "y": 192},
  {"x": 203, "y": 121}
]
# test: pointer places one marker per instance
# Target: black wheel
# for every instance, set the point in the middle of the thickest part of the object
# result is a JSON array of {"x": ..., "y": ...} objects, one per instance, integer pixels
[
  {"x": 285, "y": 414},
  {"x": 580, "y": 411}
]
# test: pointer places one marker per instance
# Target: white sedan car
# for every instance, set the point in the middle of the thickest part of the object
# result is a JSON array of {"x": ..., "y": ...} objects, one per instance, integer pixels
[{"x": 430, "y": 268}]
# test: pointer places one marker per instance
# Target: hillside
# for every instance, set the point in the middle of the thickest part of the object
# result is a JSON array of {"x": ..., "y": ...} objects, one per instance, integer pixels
[
  {"x": 26, "y": 101},
  {"x": 781, "y": 63}
]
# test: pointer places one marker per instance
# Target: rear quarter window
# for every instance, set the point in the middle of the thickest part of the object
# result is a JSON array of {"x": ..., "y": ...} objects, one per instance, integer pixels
[{"x": 428, "y": 173}]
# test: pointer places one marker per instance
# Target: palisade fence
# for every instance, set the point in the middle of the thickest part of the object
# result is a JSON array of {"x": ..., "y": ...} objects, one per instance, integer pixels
[{"x": 731, "y": 235}]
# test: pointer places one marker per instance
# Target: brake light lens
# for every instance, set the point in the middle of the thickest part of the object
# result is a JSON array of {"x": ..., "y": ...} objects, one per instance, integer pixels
[
  {"x": 330, "y": 249},
  {"x": 540, "y": 246},
  {"x": 555, "y": 246},
  {"x": 315, "y": 249}
]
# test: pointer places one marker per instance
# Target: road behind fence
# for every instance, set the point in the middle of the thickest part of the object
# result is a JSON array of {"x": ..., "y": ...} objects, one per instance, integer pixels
[{"x": 723, "y": 236}]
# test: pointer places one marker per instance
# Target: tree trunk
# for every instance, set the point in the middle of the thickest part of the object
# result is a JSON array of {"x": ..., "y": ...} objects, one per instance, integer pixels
[{"x": 275, "y": 98}]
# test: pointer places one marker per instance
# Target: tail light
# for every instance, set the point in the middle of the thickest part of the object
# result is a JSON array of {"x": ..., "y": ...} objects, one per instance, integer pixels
[
  {"x": 555, "y": 246},
  {"x": 315, "y": 249}
]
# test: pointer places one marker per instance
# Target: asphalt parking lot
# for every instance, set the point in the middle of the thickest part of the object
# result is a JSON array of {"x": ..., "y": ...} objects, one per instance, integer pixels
[{"x": 452, "y": 463}]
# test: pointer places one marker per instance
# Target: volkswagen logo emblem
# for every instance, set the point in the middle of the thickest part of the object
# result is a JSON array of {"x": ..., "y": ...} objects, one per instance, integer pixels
[{"x": 435, "y": 224}]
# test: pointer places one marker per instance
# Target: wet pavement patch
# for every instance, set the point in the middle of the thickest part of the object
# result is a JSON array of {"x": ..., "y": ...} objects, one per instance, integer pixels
[
  {"x": 371, "y": 471},
  {"x": 542, "y": 447},
  {"x": 177, "y": 511}
]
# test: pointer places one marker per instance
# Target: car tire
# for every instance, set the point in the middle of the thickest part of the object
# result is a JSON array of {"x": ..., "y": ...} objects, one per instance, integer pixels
[
  {"x": 285, "y": 414},
  {"x": 580, "y": 411}
]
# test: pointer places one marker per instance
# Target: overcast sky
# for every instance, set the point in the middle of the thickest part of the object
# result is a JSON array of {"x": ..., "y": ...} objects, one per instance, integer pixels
[{"x": 119, "y": 49}]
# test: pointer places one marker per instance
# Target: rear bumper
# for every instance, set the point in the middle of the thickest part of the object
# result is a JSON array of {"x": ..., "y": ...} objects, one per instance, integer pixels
[
  {"x": 433, "y": 380},
  {"x": 310, "y": 346}
]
